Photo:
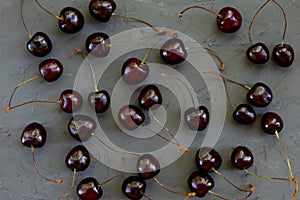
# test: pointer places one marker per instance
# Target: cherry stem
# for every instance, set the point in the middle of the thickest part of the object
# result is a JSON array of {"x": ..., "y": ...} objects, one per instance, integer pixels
[
  {"x": 115, "y": 176},
  {"x": 38, "y": 171},
  {"x": 285, "y": 21},
  {"x": 22, "y": 18},
  {"x": 216, "y": 195},
  {"x": 267, "y": 177},
  {"x": 8, "y": 109},
  {"x": 180, "y": 15},
  {"x": 172, "y": 191},
  {"x": 149, "y": 51},
  {"x": 181, "y": 148},
  {"x": 252, "y": 20},
  {"x": 90, "y": 65},
  {"x": 47, "y": 11},
  {"x": 146, "y": 196},
  {"x": 71, "y": 188},
  {"x": 227, "y": 94}
]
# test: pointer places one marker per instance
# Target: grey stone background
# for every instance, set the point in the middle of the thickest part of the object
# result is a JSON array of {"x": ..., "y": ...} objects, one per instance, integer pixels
[{"x": 18, "y": 179}]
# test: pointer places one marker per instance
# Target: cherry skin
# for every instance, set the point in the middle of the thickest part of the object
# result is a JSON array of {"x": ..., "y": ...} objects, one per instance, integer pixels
[
  {"x": 200, "y": 183},
  {"x": 39, "y": 44},
  {"x": 242, "y": 158},
  {"x": 72, "y": 20},
  {"x": 271, "y": 122},
  {"x": 260, "y": 95},
  {"x": 231, "y": 20},
  {"x": 244, "y": 114},
  {"x": 258, "y": 53},
  {"x": 99, "y": 101},
  {"x": 131, "y": 117},
  {"x": 150, "y": 97},
  {"x": 80, "y": 127},
  {"x": 70, "y": 101},
  {"x": 283, "y": 55},
  {"x": 173, "y": 51},
  {"x": 133, "y": 72},
  {"x": 197, "y": 118},
  {"x": 207, "y": 158},
  {"x": 34, "y": 135},
  {"x": 102, "y": 10},
  {"x": 78, "y": 158},
  {"x": 51, "y": 69},
  {"x": 134, "y": 187},
  {"x": 97, "y": 44},
  {"x": 89, "y": 189},
  {"x": 148, "y": 166}
]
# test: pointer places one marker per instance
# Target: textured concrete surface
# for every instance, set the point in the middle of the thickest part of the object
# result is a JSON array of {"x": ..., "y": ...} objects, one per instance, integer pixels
[{"x": 18, "y": 179}]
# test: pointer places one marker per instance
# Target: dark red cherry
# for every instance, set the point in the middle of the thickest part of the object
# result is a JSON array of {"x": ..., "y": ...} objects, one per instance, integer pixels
[
  {"x": 148, "y": 166},
  {"x": 134, "y": 187},
  {"x": 101, "y": 10},
  {"x": 173, "y": 51},
  {"x": 39, "y": 44},
  {"x": 131, "y": 117},
  {"x": 51, "y": 69},
  {"x": 283, "y": 55},
  {"x": 241, "y": 158},
  {"x": 70, "y": 101},
  {"x": 89, "y": 189},
  {"x": 207, "y": 158},
  {"x": 231, "y": 20},
  {"x": 150, "y": 97},
  {"x": 72, "y": 22},
  {"x": 78, "y": 158},
  {"x": 80, "y": 127},
  {"x": 133, "y": 72},
  {"x": 197, "y": 118},
  {"x": 97, "y": 44},
  {"x": 99, "y": 101},
  {"x": 258, "y": 53},
  {"x": 260, "y": 95},
  {"x": 244, "y": 114},
  {"x": 200, "y": 183},
  {"x": 34, "y": 135},
  {"x": 271, "y": 122}
]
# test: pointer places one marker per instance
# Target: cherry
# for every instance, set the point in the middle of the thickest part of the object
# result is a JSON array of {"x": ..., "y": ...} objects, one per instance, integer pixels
[
  {"x": 258, "y": 53},
  {"x": 244, "y": 114},
  {"x": 283, "y": 55},
  {"x": 134, "y": 71},
  {"x": 102, "y": 10},
  {"x": 148, "y": 166},
  {"x": 72, "y": 20},
  {"x": 80, "y": 127},
  {"x": 89, "y": 189},
  {"x": 260, "y": 95},
  {"x": 207, "y": 159},
  {"x": 98, "y": 44},
  {"x": 78, "y": 158},
  {"x": 131, "y": 117},
  {"x": 150, "y": 97},
  {"x": 241, "y": 158},
  {"x": 173, "y": 51},
  {"x": 197, "y": 118},
  {"x": 39, "y": 44},
  {"x": 70, "y": 101},
  {"x": 271, "y": 123},
  {"x": 99, "y": 101},
  {"x": 51, "y": 69},
  {"x": 134, "y": 187},
  {"x": 200, "y": 183}
]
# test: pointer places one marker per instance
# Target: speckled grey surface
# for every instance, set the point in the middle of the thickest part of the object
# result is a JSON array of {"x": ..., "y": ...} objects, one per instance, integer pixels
[{"x": 18, "y": 179}]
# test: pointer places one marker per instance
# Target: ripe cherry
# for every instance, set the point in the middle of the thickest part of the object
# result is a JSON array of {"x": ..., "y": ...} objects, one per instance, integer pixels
[
  {"x": 102, "y": 10},
  {"x": 78, "y": 158},
  {"x": 244, "y": 114},
  {"x": 148, "y": 166},
  {"x": 134, "y": 71},
  {"x": 197, "y": 118},
  {"x": 51, "y": 69},
  {"x": 131, "y": 117},
  {"x": 80, "y": 127},
  {"x": 260, "y": 95},
  {"x": 207, "y": 159},
  {"x": 89, "y": 189},
  {"x": 241, "y": 158},
  {"x": 99, "y": 101},
  {"x": 150, "y": 97},
  {"x": 72, "y": 20},
  {"x": 283, "y": 55},
  {"x": 98, "y": 44},
  {"x": 39, "y": 44},
  {"x": 70, "y": 101},
  {"x": 200, "y": 183},
  {"x": 134, "y": 187},
  {"x": 258, "y": 53},
  {"x": 271, "y": 123},
  {"x": 173, "y": 51}
]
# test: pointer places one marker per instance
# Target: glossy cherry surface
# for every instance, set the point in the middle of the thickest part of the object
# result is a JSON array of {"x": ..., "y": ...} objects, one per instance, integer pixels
[
  {"x": 131, "y": 117},
  {"x": 39, "y": 44},
  {"x": 197, "y": 118},
  {"x": 258, "y": 53},
  {"x": 133, "y": 72},
  {"x": 80, "y": 127},
  {"x": 70, "y": 101},
  {"x": 148, "y": 166},
  {"x": 207, "y": 158},
  {"x": 242, "y": 158},
  {"x": 97, "y": 44},
  {"x": 89, "y": 189},
  {"x": 99, "y": 101},
  {"x": 260, "y": 95},
  {"x": 78, "y": 158},
  {"x": 231, "y": 20},
  {"x": 283, "y": 55},
  {"x": 150, "y": 97},
  {"x": 134, "y": 187},
  {"x": 173, "y": 51},
  {"x": 51, "y": 69},
  {"x": 72, "y": 20},
  {"x": 244, "y": 114},
  {"x": 200, "y": 183},
  {"x": 101, "y": 10},
  {"x": 271, "y": 122},
  {"x": 34, "y": 135}
]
